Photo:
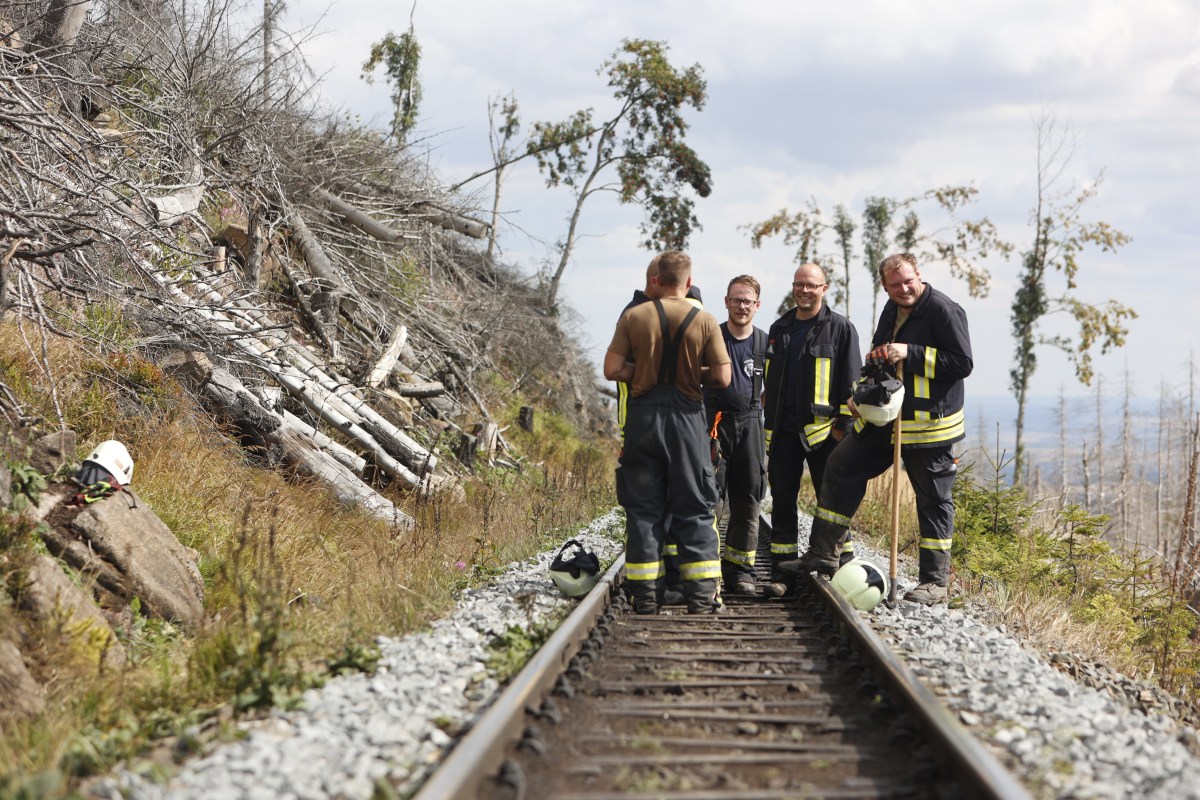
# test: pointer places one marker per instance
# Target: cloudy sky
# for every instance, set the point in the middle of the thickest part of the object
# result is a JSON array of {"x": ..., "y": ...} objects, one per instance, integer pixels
[{"x": 837, "y": 102}]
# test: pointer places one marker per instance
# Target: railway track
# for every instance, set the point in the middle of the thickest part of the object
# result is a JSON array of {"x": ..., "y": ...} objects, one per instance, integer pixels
[{"x": 784, "y": 698}]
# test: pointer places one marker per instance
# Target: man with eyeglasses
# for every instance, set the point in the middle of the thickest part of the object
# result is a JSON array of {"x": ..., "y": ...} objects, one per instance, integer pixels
[
  {"x": 735, "y": 423},
  {"x": 925, "y": 331},
  {"x": 812, "y": 362}
]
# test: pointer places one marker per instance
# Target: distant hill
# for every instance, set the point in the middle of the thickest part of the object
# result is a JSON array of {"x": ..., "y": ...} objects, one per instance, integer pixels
[{"x": 991, "y": 424}]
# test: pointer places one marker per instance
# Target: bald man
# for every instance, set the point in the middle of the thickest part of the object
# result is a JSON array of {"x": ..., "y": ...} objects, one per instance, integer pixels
[{"x": 812, "y": 362}]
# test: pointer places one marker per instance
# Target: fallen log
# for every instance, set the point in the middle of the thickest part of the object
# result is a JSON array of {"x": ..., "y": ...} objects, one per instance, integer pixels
[
  {"x": 339, "y": 392},
  {"x": 427, "y": 389},
  {"x": 309, "y": 393},
  {"x": 391, "y": 354},
  {"x": 301, "y": 450},
  {"x": 361, "y": 220},
  {"x": 449, "y": 220},
  {"x": 173, "y": 208},
  {"x": 343, "y": 483}
]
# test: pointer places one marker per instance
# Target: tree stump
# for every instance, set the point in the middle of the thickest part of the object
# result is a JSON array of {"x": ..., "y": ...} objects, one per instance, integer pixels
[
  {"x": 468, "y": 445},
  {"x": 525, "y": 418}
]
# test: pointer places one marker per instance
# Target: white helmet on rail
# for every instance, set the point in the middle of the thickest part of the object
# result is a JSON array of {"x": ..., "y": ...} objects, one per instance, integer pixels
[
  {"x": 861, "y": 582},
  {"x": 114, "y": 458}
]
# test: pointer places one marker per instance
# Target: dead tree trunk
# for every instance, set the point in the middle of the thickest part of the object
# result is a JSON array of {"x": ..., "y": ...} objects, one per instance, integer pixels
[
  {"x": 334, "y": 288},
  {"x": 391, "y": 354},
  {"x": 62, "y": 22}
]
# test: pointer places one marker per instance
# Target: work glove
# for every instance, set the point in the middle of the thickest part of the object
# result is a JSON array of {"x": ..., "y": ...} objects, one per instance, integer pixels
[{"x": 878, "y": 356}]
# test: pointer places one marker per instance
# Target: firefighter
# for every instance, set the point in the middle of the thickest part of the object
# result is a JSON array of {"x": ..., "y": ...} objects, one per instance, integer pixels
[
  {"x": 735, "y": 423},
  {"x": 812, "y": 361},
  {"x": 671, "y": 589},
  {"x": 665, "y": 471},
  {"x": 926, "y": 332}
]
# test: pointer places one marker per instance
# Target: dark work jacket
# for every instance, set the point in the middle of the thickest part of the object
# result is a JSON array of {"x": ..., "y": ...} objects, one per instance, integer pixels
[
  {"x": 831, "y": 363},
  {"x": 939, "y": 358}
]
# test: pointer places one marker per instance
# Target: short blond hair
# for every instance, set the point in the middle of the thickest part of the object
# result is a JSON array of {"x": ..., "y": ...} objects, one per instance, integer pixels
[
  {"x": 674, "y": 268},
  {"x": 744, "y": 280}
]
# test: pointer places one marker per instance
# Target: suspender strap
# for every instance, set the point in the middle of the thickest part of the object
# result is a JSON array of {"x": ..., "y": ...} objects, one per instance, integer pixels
[
  {"x": 669, "y": 365},
  {"x": 760, "y": 358}
]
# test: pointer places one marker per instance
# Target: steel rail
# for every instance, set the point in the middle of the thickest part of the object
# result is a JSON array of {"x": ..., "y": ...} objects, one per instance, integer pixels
[
  {"x": 979, "y": 770},
  {"x": 481, "y": 751},
  {"x": 479, "y": 755}
]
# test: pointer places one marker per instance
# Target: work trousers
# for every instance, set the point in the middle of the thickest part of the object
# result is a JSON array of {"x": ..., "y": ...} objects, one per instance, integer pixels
[
  {"x": 666, "y": 478},
  {"x": 740, "y": 440},
  {"x": 863, "y": 455},
  {"x": 789, "y": 453}
]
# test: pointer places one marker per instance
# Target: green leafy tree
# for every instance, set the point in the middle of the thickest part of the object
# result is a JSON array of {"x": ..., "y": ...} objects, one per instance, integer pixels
[
  {"x": 1060, "y": 236},
  {"x": 400, "y": 58},
  {"x": 876, "y": 241},
  {"x": 843, "y": 230},
  {"x": 643, "y": 141}
]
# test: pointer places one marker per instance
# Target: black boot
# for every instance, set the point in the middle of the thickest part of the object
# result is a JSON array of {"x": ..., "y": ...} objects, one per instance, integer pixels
[
  {"x": 824, "y": 544},
  {"x": 644, "y": 596}
]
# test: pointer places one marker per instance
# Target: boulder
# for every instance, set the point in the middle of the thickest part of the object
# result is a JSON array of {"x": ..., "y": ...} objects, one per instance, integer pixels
[
  {"x": 53, "y": 599},
  {"x": 121, "y": 544},
  {"x": 20, "y": 694},
  {"x": 51, "y": 451}
]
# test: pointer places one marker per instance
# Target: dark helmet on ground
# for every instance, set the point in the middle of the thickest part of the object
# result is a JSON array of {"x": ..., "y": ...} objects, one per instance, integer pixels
[{"x": 575, "y": 570}]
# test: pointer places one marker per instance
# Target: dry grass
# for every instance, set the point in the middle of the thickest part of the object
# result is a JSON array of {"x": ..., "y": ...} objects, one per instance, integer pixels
[{"x": 1048, "y": 625}]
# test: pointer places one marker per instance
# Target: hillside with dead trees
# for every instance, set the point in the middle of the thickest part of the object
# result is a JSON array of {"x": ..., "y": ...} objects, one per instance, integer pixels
[{"x": 329, "y": 281}]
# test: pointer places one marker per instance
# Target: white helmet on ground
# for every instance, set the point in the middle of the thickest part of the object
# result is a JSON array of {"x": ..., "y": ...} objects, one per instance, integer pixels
[
  {"x": 113, "y": 457},
  {"x": 861, "y": 582},
  {"x": 577, "y": 572}
]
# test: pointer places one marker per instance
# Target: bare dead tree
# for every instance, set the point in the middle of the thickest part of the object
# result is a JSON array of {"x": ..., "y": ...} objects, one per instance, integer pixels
[
  {"x": 1125, "y": 487},
  {"x": 1062, "y": 443},
  {"x": 1100, "y": 499}
]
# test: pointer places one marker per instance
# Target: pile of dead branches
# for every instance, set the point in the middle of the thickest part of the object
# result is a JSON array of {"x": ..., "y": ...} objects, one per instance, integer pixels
[{"x": 149, "y": 163}]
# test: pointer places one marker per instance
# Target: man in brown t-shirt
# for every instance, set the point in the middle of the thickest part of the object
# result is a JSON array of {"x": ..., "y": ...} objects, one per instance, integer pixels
[{"x": 666, "y": 470}]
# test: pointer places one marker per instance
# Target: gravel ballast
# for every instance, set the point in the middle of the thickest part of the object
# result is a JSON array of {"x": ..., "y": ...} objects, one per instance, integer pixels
[{"x": 1064, "y": 738}]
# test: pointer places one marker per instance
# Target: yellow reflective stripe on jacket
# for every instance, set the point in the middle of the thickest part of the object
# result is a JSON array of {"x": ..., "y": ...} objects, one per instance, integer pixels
[
  {"x": 936, "y": 544},
  {"x": 832, "y": 516},
  {"x": 671, "y": 550},
  {"x": 926, "y": 429},
  {"x": 818, "y": 431},
  {"x": 921, "y": 382},
  {"x": 848, "y": 546},
  {"x": 643, "y": 571},
  {"x": 742, "y": 557},
  {"x": 821, "y": 374},
  {"x": 622, "y": 406},
  {"x": 784, "y": 549},
  {"x": 699, "y": 570}
]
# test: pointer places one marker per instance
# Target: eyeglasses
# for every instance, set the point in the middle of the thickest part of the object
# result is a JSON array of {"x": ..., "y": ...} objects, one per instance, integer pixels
[
  {"x": 741, "y": 301},
  {"x": 807, "y": 287}
]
